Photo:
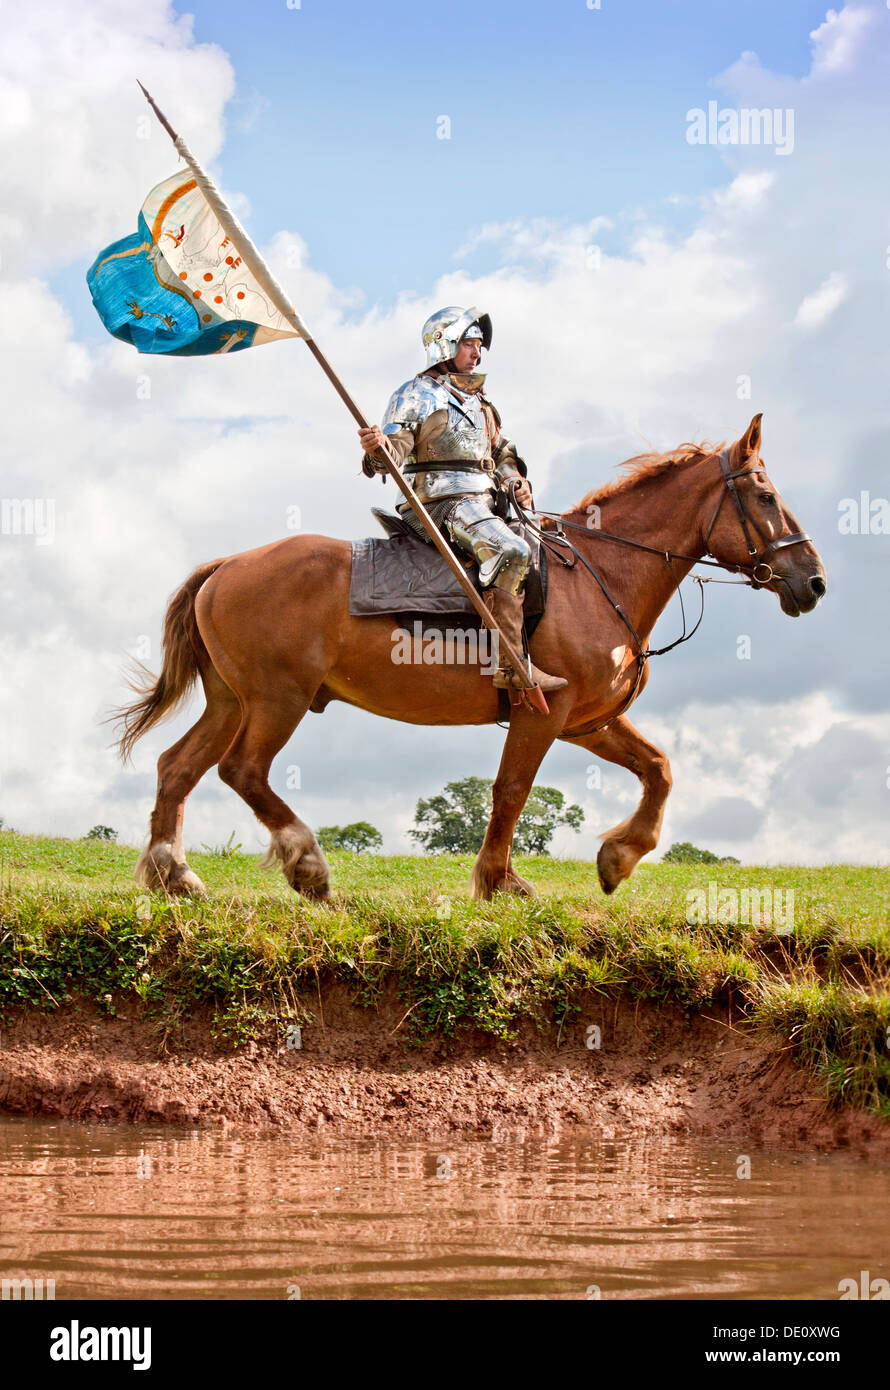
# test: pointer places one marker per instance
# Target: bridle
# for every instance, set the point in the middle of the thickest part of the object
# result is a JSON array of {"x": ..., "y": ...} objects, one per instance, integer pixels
[
  {"x": 558, "y": 538},
  {"x": 768, "y": 547}
]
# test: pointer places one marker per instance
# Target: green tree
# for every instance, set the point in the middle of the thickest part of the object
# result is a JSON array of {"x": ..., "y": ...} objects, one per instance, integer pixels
[
  {"x": 102, "y": 832},
  {"x": 360, "y": 837},
  {"x": 542, "y": 813},
  {"x": 454, "y": 822},
  {"x": 685, "y": 853}
]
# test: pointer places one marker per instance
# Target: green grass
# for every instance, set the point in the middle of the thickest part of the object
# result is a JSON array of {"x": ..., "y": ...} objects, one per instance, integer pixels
[{"x": 73, "y": 924}]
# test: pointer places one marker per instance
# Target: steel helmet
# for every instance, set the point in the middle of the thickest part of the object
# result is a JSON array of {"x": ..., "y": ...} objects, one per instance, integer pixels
[{"x": 443, "y": 331}]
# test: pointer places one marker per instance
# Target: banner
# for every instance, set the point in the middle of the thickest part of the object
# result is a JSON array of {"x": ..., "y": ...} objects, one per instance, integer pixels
[{"x": 180, "y": 284}]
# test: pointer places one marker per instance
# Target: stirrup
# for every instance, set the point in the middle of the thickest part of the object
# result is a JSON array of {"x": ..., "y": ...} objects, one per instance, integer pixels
[
  {"x": 508, "y": 678},
  {"x": 533, "y": 699}
]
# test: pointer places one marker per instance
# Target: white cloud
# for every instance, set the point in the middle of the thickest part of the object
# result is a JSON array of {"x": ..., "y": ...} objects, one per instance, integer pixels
[
  {"x": 747, "y": 190},
  {"x": 541, "y": 239},
  {"x": 838, "y": 39},
  {"x": 815, "y": 778},
  {"x": 78, "y": 149},
  {"x": 817, "y": 307}
]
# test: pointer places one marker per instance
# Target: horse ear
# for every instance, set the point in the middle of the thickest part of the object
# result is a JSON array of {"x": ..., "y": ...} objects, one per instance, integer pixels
[{"x": 750, "y": 440}]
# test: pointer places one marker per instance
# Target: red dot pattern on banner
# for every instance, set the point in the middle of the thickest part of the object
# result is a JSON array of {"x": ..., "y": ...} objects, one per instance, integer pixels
[
  {"x": 228, "y": 260},
  {"x": 182, "y": 275},
  {"x": 196, "y": 294},
  {"x": 207, "y": 275},
  {"x": 240, "y": 294},
  {"x": 217, "y": 299}
]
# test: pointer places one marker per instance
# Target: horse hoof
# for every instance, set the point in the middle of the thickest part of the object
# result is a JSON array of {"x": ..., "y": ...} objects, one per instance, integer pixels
[
  {"x": 606, "y": 887},
  {"x": 484, "y": 884},
  {"x": 315, "y": 894},
  {"x": 609, "y": 865},
  {"x": 159, "y": 871},
  {"x": 520, "y": 886},
  {"x": 183, "y": 883}
]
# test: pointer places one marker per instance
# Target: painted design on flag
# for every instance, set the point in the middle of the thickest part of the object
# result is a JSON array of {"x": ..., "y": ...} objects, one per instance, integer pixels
[{"x": 179, "y": 284}]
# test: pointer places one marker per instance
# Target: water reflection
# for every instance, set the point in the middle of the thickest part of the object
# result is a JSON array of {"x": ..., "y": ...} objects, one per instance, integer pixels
[{"x": 143, "y": 1213}]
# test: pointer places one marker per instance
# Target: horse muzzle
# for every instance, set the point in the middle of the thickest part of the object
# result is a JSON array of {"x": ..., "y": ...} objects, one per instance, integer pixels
[{"x": 797, "y": 593}]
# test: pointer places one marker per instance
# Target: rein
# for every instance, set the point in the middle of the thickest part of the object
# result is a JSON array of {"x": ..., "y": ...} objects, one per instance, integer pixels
[{"x": 756, "y": 581}]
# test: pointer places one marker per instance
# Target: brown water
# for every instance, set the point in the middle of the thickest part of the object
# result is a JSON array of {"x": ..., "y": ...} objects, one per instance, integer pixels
[{"x": 114, "y": 1212}]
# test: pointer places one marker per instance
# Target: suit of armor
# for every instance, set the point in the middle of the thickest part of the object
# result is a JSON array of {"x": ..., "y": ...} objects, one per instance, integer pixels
[{"x": 447, "y": 436}]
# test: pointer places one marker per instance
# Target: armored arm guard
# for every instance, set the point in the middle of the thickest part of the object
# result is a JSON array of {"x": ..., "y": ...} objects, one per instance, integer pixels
[
  {"x": 507, "y": 461},
  {"x": 408, "y": 408}
]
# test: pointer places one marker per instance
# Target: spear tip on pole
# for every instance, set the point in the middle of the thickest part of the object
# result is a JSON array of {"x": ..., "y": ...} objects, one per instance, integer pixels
[{"x": 158, "y": 112}]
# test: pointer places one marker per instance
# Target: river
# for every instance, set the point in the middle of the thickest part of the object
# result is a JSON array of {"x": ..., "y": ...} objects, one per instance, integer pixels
[{"x": 148, "y": 1213}]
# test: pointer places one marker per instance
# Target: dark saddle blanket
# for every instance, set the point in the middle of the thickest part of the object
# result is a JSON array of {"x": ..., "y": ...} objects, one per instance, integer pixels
[{"x": 404, "y": 574}]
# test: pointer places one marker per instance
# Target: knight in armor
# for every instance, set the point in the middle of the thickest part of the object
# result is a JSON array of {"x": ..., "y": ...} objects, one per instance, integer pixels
[{"x": 447, "y": 436}]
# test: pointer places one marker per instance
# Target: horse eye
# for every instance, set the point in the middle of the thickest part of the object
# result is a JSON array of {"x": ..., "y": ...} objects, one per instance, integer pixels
[{"x": 767, "y": 498}]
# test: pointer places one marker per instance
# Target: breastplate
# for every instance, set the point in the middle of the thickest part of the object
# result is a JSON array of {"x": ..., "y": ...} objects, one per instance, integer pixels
[
  {"x": 464, "y": 437},
  {"x": 463, "y": 441}
]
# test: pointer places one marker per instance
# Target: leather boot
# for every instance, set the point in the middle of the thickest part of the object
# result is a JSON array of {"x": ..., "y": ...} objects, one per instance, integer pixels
[{"x": 506, "y": 609}]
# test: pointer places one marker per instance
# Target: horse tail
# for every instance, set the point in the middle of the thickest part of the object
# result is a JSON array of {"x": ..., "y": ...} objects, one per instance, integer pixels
[{"x": 185, "y": 658}]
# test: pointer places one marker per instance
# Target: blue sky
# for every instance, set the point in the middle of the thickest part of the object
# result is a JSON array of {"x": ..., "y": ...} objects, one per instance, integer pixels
[{"x": 556, "y": 111}]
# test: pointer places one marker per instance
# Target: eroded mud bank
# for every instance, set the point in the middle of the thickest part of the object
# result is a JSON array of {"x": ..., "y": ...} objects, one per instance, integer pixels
[{"x": 354, "y": 1074}]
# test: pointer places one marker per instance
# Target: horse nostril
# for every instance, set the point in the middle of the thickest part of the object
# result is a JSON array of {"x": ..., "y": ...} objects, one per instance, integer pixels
[{"x": 818, "y": 586}]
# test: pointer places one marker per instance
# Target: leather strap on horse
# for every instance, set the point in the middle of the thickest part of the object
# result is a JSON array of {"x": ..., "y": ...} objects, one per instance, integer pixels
[
  {"x": 746, "y": 520},
  {"x": 643, "y": 653}
]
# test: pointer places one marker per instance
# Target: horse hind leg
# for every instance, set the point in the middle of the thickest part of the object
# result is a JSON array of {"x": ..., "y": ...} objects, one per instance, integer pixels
[
  {"x": 245, "y": 766},
  {"x": 163, "y": 864}
]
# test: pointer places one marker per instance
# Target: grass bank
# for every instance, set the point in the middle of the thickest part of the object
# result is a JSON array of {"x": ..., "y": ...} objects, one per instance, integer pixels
[{"x": 812, "y": 972}]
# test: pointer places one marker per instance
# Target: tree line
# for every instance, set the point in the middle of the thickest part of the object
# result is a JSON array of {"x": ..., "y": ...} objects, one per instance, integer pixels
[{"x": 454, "y": 822}]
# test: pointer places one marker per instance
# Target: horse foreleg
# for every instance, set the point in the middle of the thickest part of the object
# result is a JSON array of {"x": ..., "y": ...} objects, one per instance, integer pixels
[
  {"x": 163, "y": 864},
  {"x": 625, "y": 844},
  {"x": 527, "y": 741}
]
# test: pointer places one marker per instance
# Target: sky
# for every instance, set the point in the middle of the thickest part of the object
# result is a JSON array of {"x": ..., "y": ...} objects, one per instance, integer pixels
[{"x": 644, "y": 290}]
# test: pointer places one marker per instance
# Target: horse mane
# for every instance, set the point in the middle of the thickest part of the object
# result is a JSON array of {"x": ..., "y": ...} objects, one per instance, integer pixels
[{"x": 643, "y": 467}]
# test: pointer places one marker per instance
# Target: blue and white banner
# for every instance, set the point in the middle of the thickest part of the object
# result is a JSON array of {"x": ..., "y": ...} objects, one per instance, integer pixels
[{"x": 180, "y": 284}]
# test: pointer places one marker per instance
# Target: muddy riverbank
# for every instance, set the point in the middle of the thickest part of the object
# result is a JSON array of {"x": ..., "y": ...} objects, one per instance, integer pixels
[{"x": 354, "y": 1074}]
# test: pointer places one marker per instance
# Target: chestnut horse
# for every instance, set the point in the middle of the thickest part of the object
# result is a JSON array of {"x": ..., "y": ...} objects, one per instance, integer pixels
[{"x": 270, "y": 635}]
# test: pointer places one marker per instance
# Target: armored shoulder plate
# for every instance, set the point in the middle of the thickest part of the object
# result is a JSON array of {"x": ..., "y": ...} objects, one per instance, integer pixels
[{"x": 413, "y": 402}]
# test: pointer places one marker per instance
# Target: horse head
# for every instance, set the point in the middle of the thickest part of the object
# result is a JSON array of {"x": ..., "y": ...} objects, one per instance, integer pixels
[{"x": 752, "y": 527}]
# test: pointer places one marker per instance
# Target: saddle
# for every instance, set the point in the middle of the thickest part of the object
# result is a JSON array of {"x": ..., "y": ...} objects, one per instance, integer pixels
[{"x": 404, "y": 575}]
